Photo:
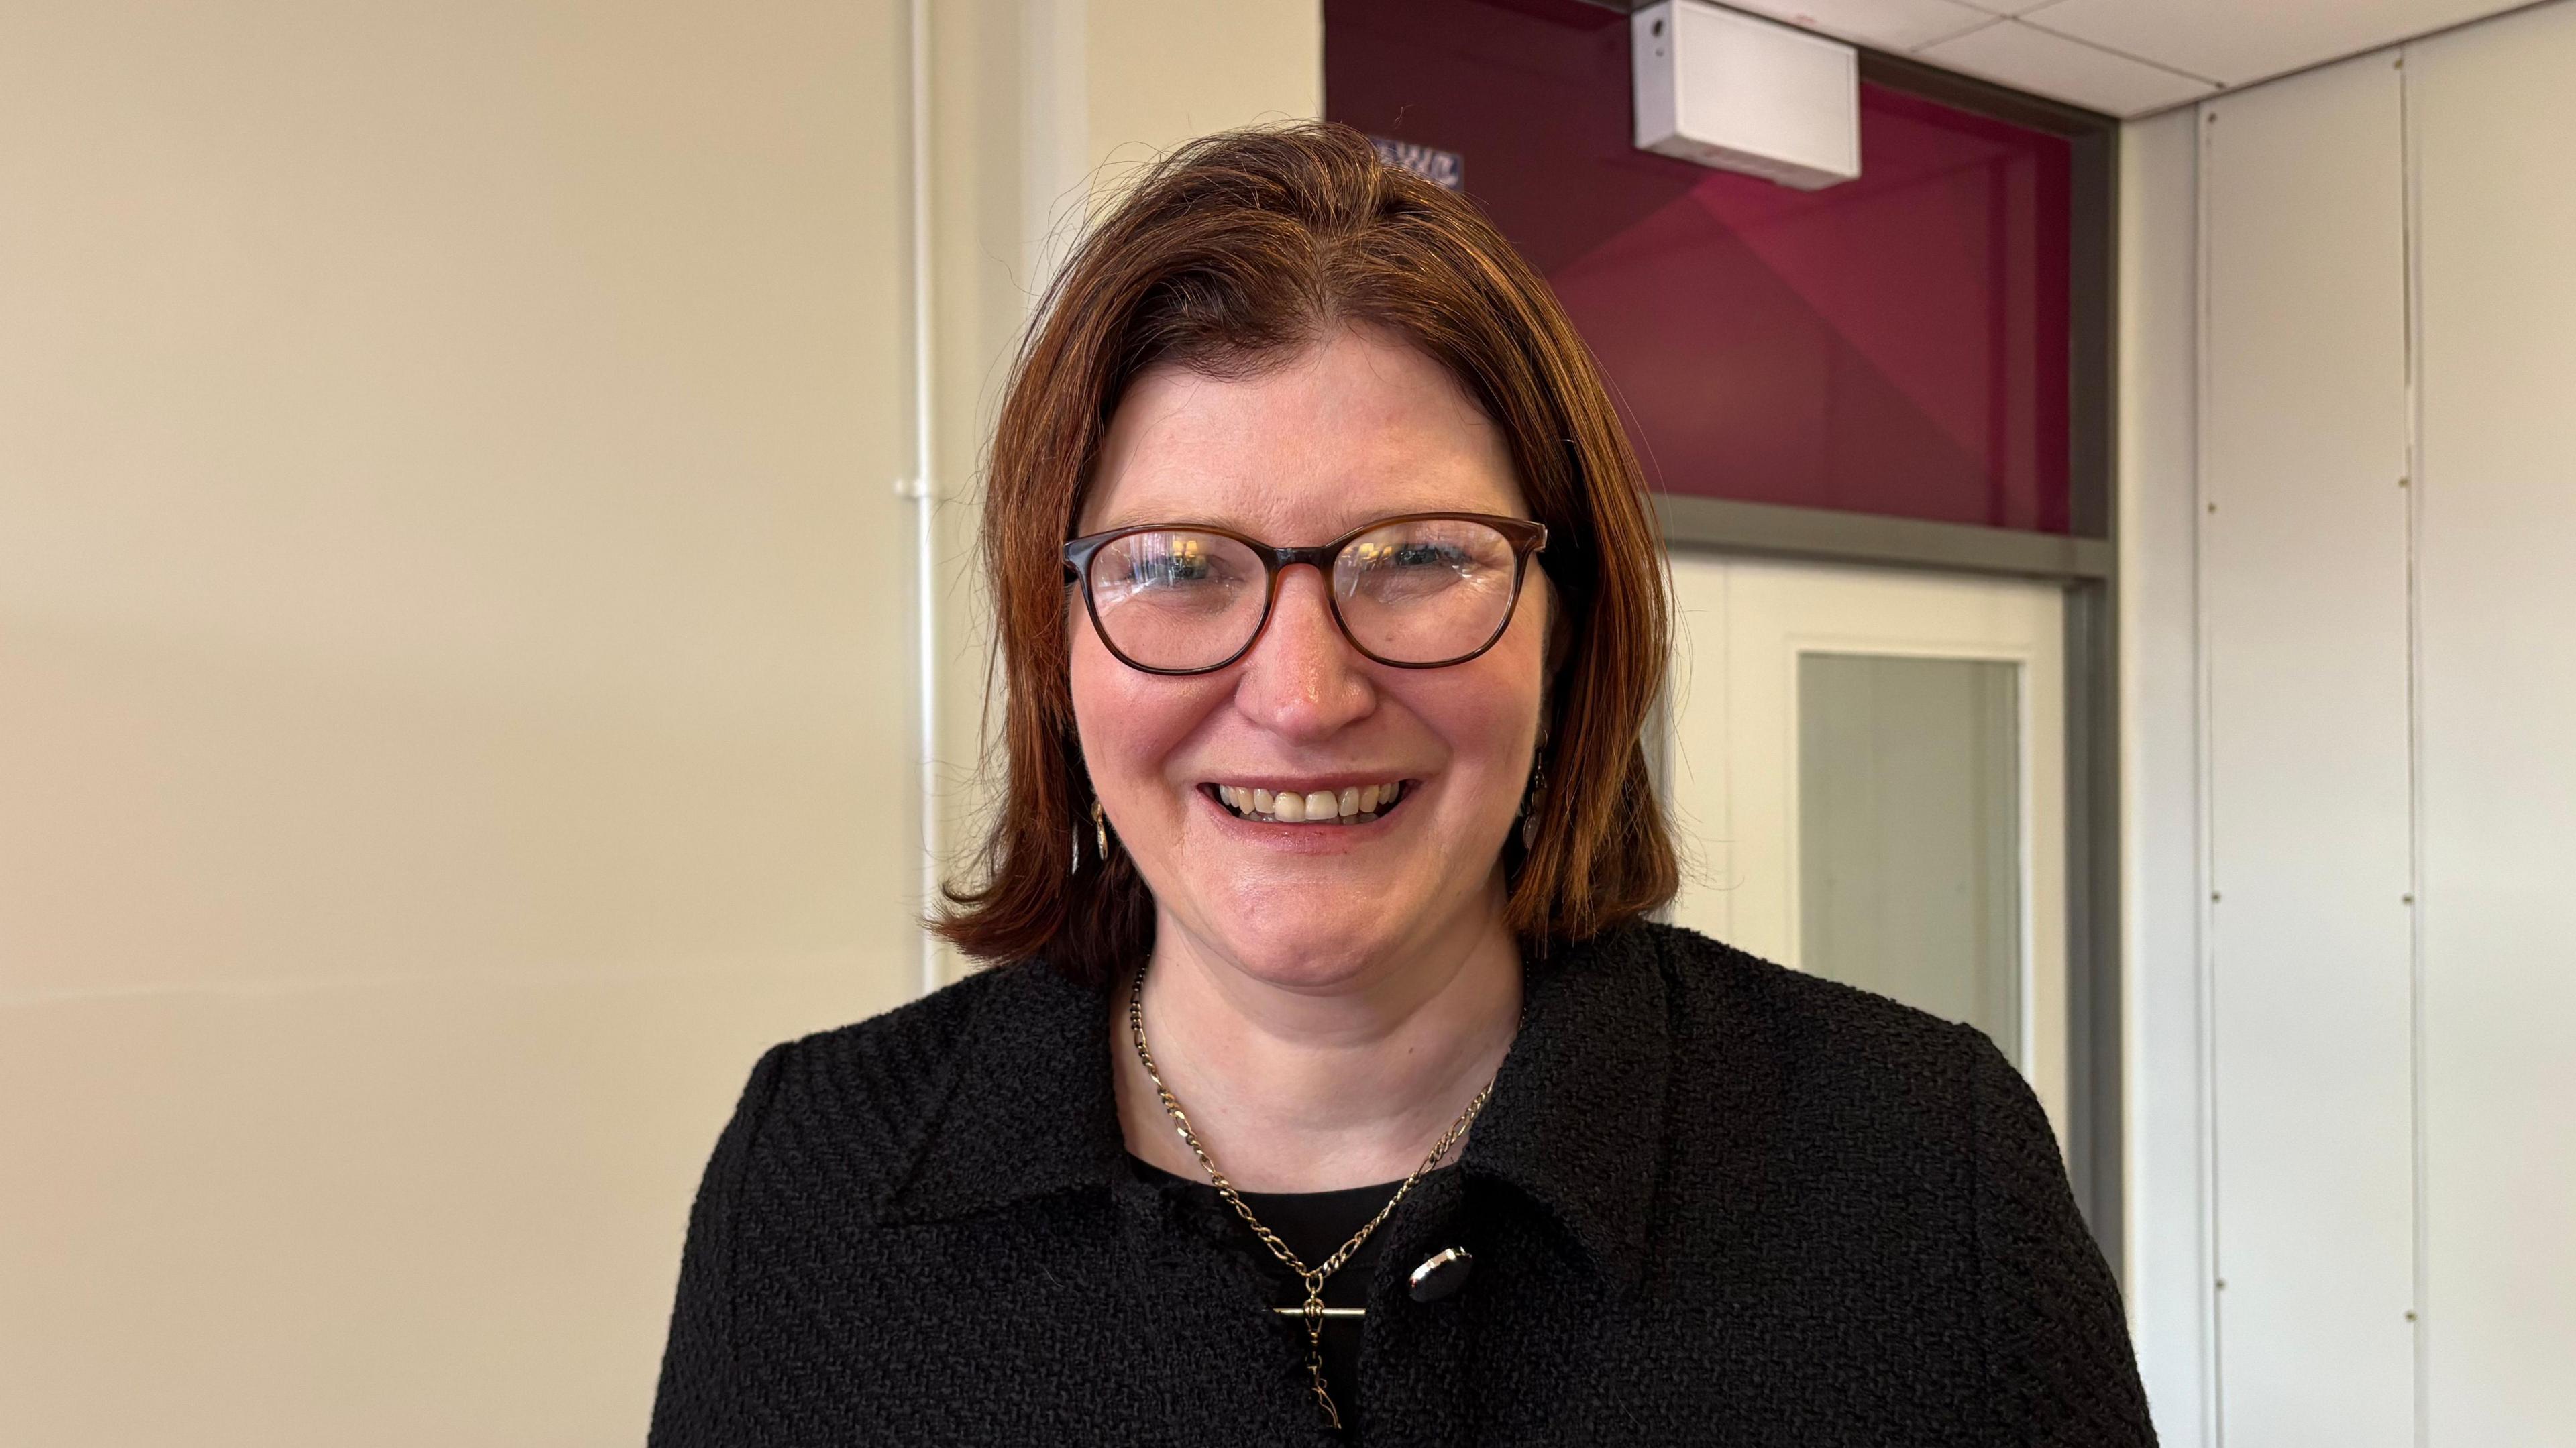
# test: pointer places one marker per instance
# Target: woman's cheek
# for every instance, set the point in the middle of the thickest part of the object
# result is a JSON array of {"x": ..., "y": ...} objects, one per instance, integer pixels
[{"x": 1131, "y": 723}]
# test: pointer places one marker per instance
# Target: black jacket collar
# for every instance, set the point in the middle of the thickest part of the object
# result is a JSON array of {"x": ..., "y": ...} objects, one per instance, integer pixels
[{"x": 1576, "y": 1121}]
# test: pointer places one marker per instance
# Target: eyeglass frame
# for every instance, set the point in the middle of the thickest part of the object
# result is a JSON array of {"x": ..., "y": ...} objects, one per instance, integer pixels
[{"x": 1527, "y": 537}]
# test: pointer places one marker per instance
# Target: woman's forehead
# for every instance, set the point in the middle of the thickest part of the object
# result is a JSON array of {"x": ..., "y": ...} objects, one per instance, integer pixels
[
  {"x": 1295, "y": 516},
  {"x": 1356, "y": 429}
]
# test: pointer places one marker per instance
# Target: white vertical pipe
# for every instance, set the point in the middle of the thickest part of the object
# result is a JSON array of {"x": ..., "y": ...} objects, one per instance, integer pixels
[
  {"x": 2412, "y": 173},
  {"x": 2213, "y": 1399},
  {"x": 924, "y": 494}
]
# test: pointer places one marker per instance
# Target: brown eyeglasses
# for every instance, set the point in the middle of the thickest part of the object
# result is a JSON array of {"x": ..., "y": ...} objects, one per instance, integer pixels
[{"x": 1416, "y": 591}]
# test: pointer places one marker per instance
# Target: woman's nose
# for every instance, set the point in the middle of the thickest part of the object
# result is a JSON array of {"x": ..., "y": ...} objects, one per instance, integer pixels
[{"x": 1302, "y": 678}]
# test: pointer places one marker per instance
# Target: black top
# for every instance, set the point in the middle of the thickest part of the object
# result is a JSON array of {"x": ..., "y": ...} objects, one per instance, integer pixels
[
  {"x": 1314, "y": 1225},
  {"x": 1709, "y": 1200}
]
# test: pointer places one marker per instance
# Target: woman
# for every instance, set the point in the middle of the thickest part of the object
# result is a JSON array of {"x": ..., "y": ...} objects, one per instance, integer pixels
[{"x": 1330, "y": 1082}]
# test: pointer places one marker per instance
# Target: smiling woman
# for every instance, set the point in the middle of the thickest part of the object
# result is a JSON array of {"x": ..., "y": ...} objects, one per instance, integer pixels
[
  {"x": 1328, "y": 1079},
  {"x": 1294, "y": 340}
]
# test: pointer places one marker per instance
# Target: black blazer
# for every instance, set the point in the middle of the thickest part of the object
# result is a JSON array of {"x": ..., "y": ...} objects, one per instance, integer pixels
[{"x": 1710, "y": 1201}]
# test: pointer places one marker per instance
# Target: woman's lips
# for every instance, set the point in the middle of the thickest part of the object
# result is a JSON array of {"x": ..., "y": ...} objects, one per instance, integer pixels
[{"x": 1348, "y": 805}]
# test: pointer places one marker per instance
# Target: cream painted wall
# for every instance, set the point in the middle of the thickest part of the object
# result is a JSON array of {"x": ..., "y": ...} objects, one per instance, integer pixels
[
  {"x": 1046, "y": 109},
  {"x": 457, "y": 662}
]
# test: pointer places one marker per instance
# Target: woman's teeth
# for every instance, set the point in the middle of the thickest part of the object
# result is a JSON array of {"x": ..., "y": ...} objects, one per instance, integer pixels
[{"x": 1356, "y": 805}]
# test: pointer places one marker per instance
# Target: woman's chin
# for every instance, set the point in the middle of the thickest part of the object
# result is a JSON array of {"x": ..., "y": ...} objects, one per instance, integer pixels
[
  {"x": 1314, "y": 946},
  {"x": 1314, "y": 930},
  {"x": 1315, "y": 967}
]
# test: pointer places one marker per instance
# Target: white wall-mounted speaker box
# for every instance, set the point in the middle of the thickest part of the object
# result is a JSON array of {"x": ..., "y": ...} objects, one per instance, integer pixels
[{"x": 1740, "y": 94}]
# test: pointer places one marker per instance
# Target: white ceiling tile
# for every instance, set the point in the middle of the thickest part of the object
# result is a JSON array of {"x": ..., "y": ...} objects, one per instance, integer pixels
[
  {"x": 2035, "y": 60},
  {"x": 1899, "y": 25},
  {"x": 2236, "y": 42}
]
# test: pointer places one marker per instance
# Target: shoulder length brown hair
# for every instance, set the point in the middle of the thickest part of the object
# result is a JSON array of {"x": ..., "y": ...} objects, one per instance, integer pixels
[{"x": 1231, "y": 254}]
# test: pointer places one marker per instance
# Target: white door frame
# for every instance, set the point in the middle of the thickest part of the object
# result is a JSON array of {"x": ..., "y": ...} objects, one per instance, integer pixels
[{"x": 1741, "y": 827}]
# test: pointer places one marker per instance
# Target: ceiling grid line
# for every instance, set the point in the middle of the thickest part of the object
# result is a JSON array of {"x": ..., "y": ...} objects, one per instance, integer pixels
[
  {"x": 2025, "y": 19},
  {"x": 2127, "y": 58}
]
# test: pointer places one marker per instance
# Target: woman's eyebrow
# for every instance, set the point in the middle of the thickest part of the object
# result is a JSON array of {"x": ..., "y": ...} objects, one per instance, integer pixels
[{"x": 1271, "y": 531}]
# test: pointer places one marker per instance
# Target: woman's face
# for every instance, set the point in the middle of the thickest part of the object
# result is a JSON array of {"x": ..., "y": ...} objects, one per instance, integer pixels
[{"x": 1358, "y": 428}]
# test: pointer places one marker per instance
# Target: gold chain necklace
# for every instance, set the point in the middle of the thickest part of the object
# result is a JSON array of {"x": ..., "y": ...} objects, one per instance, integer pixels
[{"x": 1313, "y": 1277}]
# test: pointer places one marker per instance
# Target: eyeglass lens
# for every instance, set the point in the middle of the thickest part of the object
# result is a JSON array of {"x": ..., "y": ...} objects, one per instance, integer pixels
[{"x": 1422, "y": 591}]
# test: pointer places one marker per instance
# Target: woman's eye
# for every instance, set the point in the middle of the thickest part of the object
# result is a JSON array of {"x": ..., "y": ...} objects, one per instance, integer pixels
[
  {"x": 1150, "y": 572},
  {"x": 1185, "y": 563},
  {"x": 1415, "y": 559},
  {"x": 1428, "y": 555}
]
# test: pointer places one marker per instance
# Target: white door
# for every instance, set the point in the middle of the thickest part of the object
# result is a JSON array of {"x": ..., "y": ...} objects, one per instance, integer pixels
[{"x": 1868, "y": 772}]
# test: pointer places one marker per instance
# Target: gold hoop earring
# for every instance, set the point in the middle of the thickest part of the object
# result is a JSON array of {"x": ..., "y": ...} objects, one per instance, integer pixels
[
  {"x": 1100, "y": 831},
  {"x": 1532, "y": 802}
]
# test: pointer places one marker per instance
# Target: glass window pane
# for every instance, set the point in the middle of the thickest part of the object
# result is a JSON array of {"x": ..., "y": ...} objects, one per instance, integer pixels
[{"x": 1909, "y": 833}]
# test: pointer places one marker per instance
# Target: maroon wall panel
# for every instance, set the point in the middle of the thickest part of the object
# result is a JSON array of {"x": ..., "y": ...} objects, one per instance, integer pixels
[{"x": 1895, "y": 345}]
